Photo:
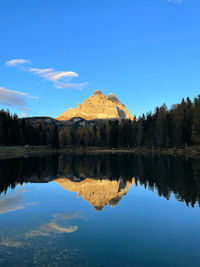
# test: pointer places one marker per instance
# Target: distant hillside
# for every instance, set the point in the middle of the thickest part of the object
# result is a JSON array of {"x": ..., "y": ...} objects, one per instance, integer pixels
[{"x": 73, "y": 122}]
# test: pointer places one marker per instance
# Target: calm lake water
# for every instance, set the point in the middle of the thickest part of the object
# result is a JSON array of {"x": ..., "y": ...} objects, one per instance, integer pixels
[{"x": 100, "y": 210}]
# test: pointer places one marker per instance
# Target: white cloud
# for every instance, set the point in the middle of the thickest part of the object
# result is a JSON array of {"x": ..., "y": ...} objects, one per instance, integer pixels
[
  {"x": 176, "y": 1},
  {"x": 15, "y": 62},
  {"x": 61, "y": 79},
  {"x": 58, "y": 75},
  {"x": 78, "y": 86},
  {"x": 53, "y": 75},
  {"x": 40, "y": 71},
  {"x": 14, "y": 98}
]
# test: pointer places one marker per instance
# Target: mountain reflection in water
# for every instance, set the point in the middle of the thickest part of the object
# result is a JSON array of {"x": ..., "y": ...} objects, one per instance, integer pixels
[
  {"x": 98, "y": 192},
  {"x": 105, "y": 178}
]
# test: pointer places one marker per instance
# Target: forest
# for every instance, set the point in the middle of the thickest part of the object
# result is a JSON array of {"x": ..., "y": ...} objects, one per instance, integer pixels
[
  {"x": 178, "y": 127},
  {"x": 15, "y": 131}
]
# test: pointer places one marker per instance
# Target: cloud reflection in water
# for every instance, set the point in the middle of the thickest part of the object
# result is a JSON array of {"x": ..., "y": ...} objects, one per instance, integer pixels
[
  {"x": 57, "y": 225},
  {"x": 14, "y": 201}
]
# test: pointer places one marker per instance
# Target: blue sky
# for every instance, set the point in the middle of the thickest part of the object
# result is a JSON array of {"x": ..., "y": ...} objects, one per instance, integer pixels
[{"x": 144, "y": 51}]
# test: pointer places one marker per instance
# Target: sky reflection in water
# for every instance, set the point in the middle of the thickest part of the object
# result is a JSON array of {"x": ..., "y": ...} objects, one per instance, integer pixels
[{"x": 100, "y": 210}]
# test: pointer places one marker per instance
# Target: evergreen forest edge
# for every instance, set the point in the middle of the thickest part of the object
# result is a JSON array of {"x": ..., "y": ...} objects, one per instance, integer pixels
[{"x": 178, "y": 126}]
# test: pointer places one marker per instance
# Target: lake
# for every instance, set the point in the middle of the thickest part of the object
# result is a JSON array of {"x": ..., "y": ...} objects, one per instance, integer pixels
[{"x": 99, "y": 210}]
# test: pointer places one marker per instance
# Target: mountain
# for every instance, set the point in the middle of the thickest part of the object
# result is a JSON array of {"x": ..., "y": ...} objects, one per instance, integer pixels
[
  {"x": 98, "y": 106},
  {"x": 98, "y": 193},
  {"x": 74, "y": 122}
]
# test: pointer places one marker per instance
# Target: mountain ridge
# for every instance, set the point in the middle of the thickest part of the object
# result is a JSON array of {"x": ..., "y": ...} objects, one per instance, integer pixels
[{"x": 98, "y": 106}]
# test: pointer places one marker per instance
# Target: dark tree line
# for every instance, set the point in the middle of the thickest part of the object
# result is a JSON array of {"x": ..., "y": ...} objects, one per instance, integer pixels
[
  {"x": 163, "y": 174},
  {"x": 15, "y": 131},
  {"x": 175, "y": 127}
]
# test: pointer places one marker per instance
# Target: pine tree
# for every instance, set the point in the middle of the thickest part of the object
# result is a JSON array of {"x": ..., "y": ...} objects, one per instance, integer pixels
[
  {"x": 196, "y": 121},
  {"x": 55, "y": 138},
  {"x": 161, "y": 127},
  {"x": 140, "y": 131}
]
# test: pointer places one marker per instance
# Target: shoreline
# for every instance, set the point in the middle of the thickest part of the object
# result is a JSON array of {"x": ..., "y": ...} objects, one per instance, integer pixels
[{"x": 9, "y": 152}]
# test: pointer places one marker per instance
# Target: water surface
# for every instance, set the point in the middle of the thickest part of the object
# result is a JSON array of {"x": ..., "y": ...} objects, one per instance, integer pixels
[{"x": 99, "y": 210}]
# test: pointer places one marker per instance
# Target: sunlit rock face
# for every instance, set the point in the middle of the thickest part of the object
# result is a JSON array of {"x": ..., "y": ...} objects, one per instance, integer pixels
[
  {"x": 99, "y": 193},
  {"x": 98, "y": 106}
]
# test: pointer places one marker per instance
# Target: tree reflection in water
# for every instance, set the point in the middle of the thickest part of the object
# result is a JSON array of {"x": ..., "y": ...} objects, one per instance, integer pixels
[{"x": 166, "y": 174}]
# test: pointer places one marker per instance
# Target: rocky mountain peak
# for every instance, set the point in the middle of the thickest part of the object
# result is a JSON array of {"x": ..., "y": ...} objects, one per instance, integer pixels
[
  {"x": 113, "y": 98},
  {"x": 98, "y": 95},
  {"x": 97, "y": 92},
  {"x": 98, "y": 106}
]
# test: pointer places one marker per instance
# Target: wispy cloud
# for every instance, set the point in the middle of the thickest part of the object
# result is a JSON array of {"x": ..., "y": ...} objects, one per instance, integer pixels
[
  {"x": 13, "y": 202},
  {"x": 10, "y": 243},
  {"x": 60, "y": 79},
  {"x": 49, "y": 228},
  {"x": 55, "y": 227},
  {"x": 16, "y": 62},
  {"x": 14, "y": 98},
  {"x": 65, "y": 85},
  {"x": 176, "y": 1},
  {"x": 69, "y": 216},
  {"x": 53, "y": 75}
]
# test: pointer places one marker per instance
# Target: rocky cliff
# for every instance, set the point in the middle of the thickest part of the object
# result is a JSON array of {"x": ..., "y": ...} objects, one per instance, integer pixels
[
  {"x": 98, "y": 106},
  {"x": 98, "y": 192}
]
